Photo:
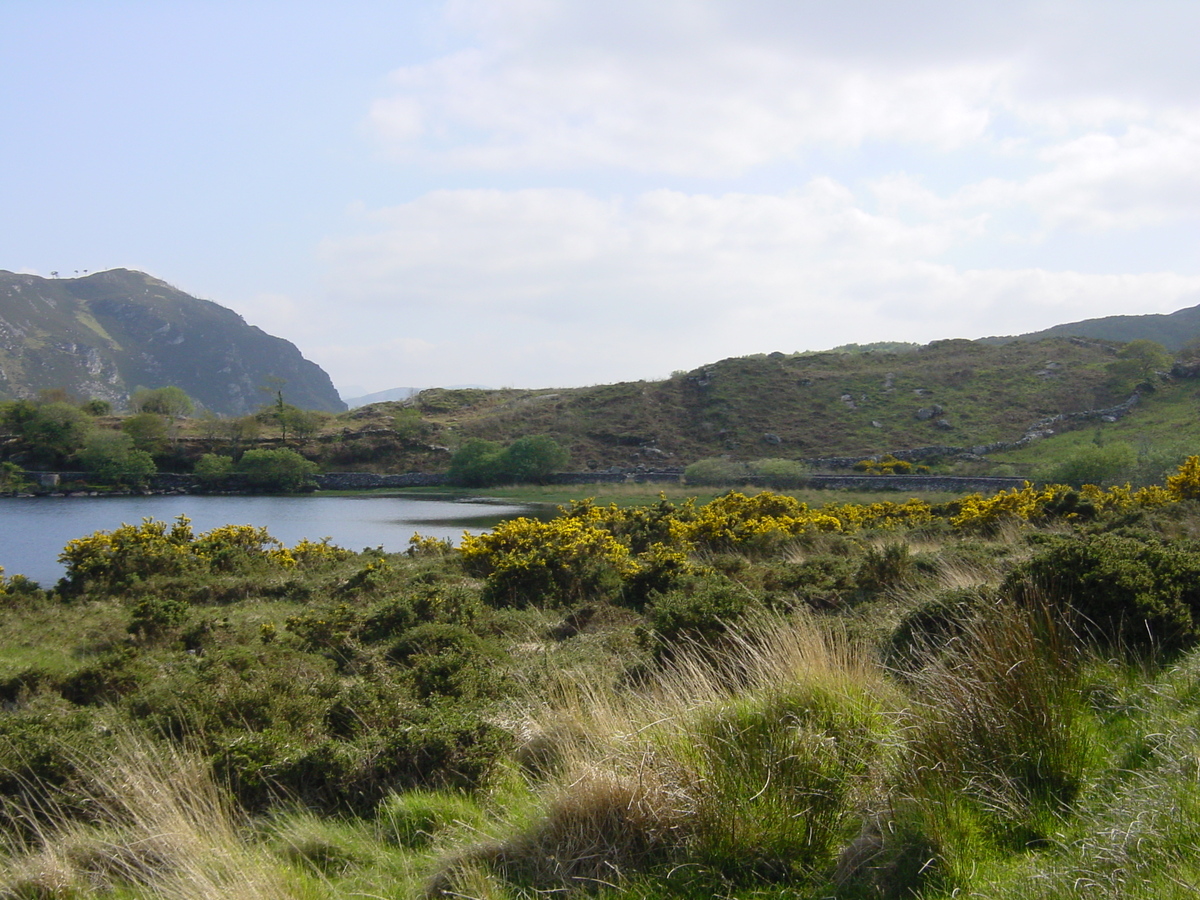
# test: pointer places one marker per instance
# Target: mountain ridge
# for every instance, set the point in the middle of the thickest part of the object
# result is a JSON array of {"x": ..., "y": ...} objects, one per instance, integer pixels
[
  {"x": 1172, "y": 330},
  {"x": 106, "y": 334}
]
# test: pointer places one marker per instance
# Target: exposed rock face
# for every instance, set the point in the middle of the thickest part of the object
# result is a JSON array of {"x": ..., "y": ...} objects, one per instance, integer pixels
[{"x": 104, "y": 335}]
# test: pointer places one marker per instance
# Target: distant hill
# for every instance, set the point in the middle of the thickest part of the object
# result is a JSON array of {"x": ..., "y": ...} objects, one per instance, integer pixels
[
  {"x": 949, "y": 393},
  {"x": 400, "y": 393},
  {"x": 106, "y": 334},
  {"x": 388, "y": 396},
  {"x": 1172, "y": 330}
]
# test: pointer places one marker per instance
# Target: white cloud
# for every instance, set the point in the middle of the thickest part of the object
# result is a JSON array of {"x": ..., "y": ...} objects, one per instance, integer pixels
[
  {"x": 737, "y": 176},
  {"x": 493, "y": 286},
  {"x": 717, "y": 110}
]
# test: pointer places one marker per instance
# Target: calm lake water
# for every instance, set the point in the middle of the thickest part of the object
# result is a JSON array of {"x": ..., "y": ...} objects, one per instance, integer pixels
[{"x": 34, "y": 530}]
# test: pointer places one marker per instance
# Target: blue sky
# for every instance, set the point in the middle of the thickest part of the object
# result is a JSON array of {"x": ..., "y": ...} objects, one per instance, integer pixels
[{"x": 538, "y": 193}]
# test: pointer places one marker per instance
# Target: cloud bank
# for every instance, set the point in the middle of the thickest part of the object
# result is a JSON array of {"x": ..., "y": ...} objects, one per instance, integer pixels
[{"x": 631, "y": 188}]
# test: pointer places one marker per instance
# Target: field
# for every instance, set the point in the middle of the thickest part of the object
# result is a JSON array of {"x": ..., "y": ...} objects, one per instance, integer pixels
[{"x": 749, "y": 697}]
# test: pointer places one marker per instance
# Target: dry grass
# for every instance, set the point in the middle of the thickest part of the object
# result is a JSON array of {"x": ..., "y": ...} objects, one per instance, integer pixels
[
  {"x": 752, "y": 762},
  {"x": 160, "y": 826}
]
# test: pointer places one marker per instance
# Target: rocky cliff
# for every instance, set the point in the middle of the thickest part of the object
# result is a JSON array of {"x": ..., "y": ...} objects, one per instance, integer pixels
[{"x": 106, "y": 334}]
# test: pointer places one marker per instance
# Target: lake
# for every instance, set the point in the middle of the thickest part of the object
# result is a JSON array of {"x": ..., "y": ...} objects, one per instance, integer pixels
[{"x": 34, "y": 530}]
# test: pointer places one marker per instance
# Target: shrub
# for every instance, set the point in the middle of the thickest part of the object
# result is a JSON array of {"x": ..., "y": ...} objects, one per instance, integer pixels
[
  {"x": 154, "y": 617},
  {"x": 1094, "y": 465},
  {"x": 714, "y": 472},
  {"x": 697, "y": 615},
  {"x": 562, "y": 562},
  {"x": 479, "y": 463},
  {"x": 281, "y": 471},
  {"x": 889, "y": 566},
  {"x": 212, "y": 467},
  {"x": 1185, "y": 484},
  {"x": 1140, "y": 595},
  {"x": 111, "y": 456},
  {"x": 448, "y": 661},
  {"x": 780, "y": 474}
]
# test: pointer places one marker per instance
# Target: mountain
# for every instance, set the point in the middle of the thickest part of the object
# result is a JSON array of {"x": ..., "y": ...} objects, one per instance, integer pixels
[
  {"x": 1172, "y": 330},
  {"x": 104, "y": 335}
]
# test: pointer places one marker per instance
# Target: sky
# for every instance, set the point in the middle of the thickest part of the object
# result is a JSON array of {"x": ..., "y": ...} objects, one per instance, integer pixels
[{"x": 550, "y": 193}]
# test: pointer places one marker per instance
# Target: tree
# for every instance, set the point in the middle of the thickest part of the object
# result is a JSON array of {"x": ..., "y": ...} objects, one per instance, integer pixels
[
  {"x": 281, "y": 471},
  {"x": 15, "y": 414},
  {"x": 55, "y": 431},
  {"x": 212, "y": 467},
  {"x": 111, "y": 456},
  {"x": 169, "y": 401},
  {"x": 479, "y": 463},
  {"x": 96, "y": 407},
  {"x": 533, "y": 457},
  {"x": 11, "y": 477},
  {"x": 1138, "y": 362},
  {"x": 476, "y": 463},
  {"x": 1100, "y": 466},
  {"x": 302, "y": 423},
  {"x": 239, "y": 430},
  {"x": 148, "y": 431}
]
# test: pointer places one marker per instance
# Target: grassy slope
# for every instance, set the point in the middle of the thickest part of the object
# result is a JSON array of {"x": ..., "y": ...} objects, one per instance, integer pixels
[{"x": 988, "y": 393}]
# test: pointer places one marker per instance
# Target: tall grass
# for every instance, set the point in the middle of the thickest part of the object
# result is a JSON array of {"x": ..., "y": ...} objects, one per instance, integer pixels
[
  {"x": 159, "y": 826},
  {"x": 1000, "y": 740},
  {"x": 750, "y": 765}
]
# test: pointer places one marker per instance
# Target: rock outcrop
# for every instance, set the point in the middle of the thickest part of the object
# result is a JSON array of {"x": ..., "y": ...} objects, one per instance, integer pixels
[{"x": 105, "y": 335}]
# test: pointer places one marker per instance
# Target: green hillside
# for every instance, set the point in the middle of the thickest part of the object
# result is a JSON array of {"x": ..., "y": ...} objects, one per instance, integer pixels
[
  {"x": 949, "y": 393},
  {"x": 104, "y": 335}
]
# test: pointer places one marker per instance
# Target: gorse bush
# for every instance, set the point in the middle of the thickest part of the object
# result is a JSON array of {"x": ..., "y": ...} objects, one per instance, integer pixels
[
  {"x": 564, "y": 561},
  {"x": 131, "y": 553},
  {"x": 1127, "y": 593}
]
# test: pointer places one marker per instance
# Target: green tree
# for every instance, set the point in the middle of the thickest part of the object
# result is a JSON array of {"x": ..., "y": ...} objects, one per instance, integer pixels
[
  {"x": 532, "y": 458},
  {"x": 302, "y": 423},
  {"x": 476, "y": 463},
  {"x": 55, "y": 431},
  {"x": 169, "y": 401},
  {"x": 15, "y": 414},
  {"x": 239, "y": 431},
  {"x": 212, "y": 467},
  {"x": 1100, "y": 466},
  {"x": 479, "y": 463},
  {"x": 282, "y": 471},
  {"x": 149, "y": 432},
  {"x": 96, "y": 407},
  {"x": 12, "y": 478},
  {"x": 111, "y": 456},
  {"x": 1138, "y": 362}
]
